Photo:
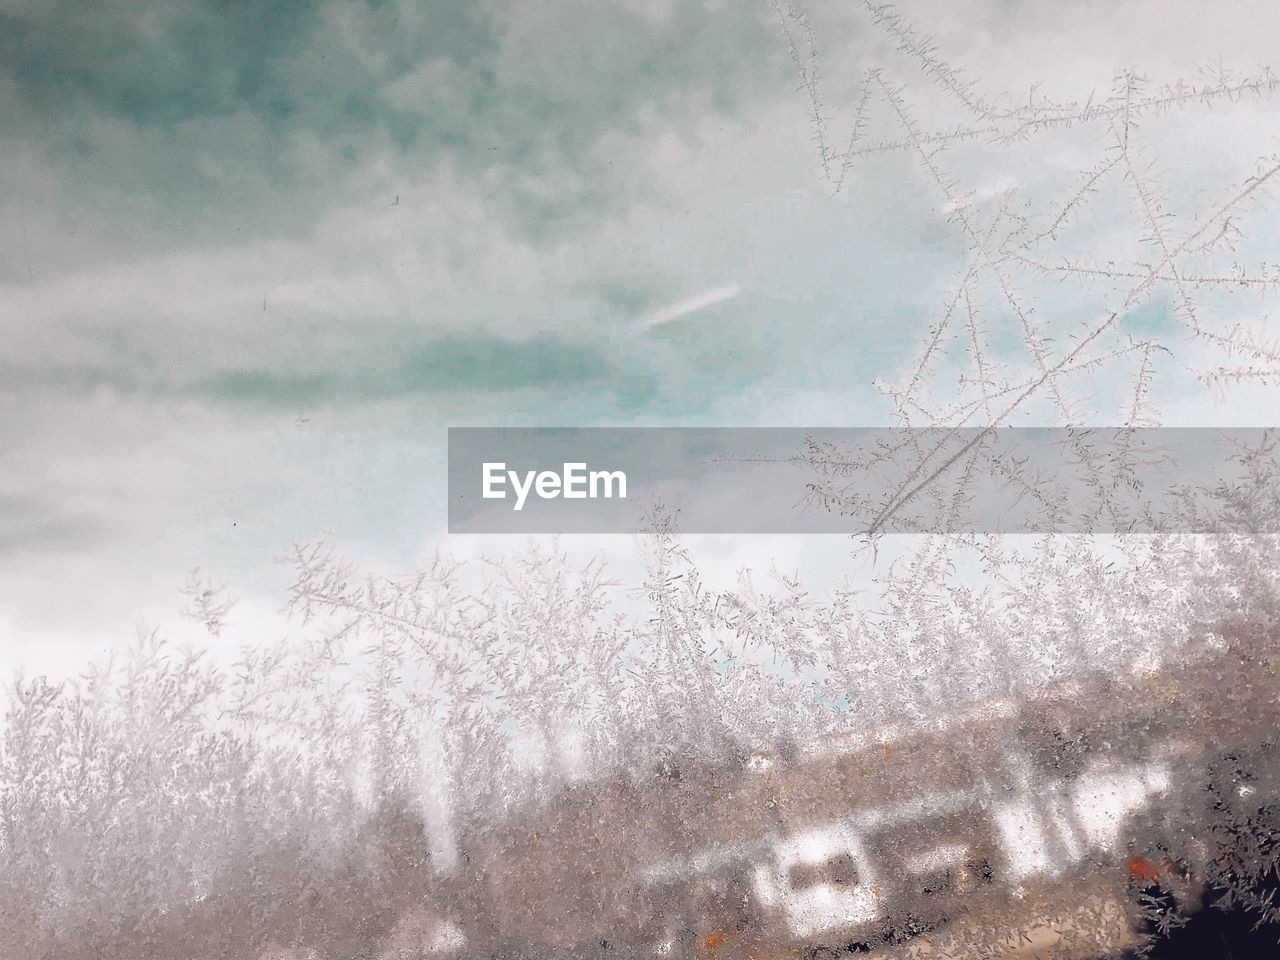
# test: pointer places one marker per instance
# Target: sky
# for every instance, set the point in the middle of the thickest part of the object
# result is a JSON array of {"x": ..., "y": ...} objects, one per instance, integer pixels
[{"x": 255, "y": 258}]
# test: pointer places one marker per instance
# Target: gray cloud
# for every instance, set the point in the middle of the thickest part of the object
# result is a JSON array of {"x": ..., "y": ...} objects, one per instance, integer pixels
[
  {"x": 469, "y": 363},
  {"x": 253, "y": 116}
]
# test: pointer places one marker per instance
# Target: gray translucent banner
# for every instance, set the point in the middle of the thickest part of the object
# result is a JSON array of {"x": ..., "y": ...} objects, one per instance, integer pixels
[{"x": 936, "y": 480}]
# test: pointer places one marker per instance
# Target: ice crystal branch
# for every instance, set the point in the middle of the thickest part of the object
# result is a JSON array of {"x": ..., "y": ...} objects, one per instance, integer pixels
[{"x": 208, "y": 602}]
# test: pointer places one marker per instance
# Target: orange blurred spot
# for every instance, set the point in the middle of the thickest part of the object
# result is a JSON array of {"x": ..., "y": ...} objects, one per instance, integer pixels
[
  {"x": 1143, "y": 869},
  {"x": 713, "y": 940}
]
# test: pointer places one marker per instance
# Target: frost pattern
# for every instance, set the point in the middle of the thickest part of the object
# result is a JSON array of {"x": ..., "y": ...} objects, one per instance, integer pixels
[
  {"x": 760, "y": 765},
  {"x": 1074, "y": 750}
]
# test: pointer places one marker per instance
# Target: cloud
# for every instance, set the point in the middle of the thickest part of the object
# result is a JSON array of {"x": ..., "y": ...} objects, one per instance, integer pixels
[
  {"x": 218, "y": 120},
  {"x": 468, "y": 363}
]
